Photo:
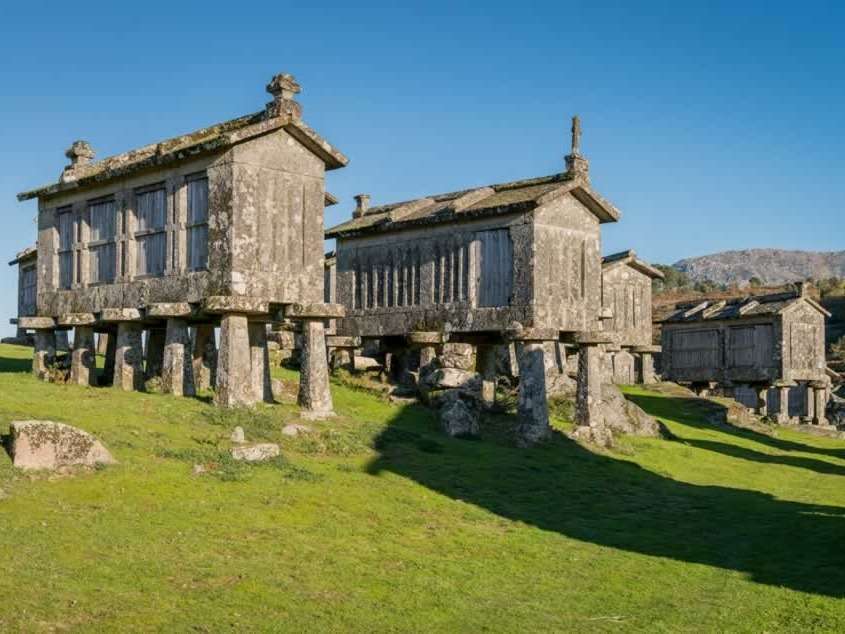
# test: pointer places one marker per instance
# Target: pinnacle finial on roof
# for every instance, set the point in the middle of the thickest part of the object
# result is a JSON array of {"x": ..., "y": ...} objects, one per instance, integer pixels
[
  {"x": 284, "y": 88},
  {"x": 79, "y": 153},
  {"x": 576, "y": 164}
]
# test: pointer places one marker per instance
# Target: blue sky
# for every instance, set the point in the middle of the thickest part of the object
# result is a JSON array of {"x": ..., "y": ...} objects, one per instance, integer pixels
[{"x": 711, "y": 126}]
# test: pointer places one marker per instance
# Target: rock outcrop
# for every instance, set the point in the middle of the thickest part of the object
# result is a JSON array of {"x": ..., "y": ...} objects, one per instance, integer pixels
[
  {"x": 616, "y": 415},
  {"x": 44, "y": 444}
]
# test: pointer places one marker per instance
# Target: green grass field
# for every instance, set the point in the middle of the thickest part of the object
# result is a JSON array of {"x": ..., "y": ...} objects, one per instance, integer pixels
[{"x": 378, "y": 523}]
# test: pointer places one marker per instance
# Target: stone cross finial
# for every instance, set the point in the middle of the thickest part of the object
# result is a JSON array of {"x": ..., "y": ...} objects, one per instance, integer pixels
[
  {"x": 576, "y": 165},
  {"x": 79, "y": 153},
  {"x": 576, "y": 136},
  {"x": 284, "y": 88}
]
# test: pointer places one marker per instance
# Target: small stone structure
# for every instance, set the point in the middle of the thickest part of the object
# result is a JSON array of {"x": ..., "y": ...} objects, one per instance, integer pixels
[
  {"x": 27, "y": 263},
  {"x": 767, "y": 351},
  {"x": 44, "y": 444},
  {"x": 516, "y": 262},
  {"x": 221, "y": 227},
  {"x": 626, "y": 300}
]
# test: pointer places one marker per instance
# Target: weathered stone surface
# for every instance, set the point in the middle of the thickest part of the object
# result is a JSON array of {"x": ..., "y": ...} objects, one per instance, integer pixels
[
  {"x": 83, "y": 369},
  {"x": 76, "y": 319},
  {"x": 42, "y": 444},
  {"x": 623, "y": 368},
  {"x": 177, "y": 374},
  {"x": 532, "y": 405},
  {"x": 338, "y": 341},
  {"x": 295, "y": 429},
  {"x": 486, "y": 366},
  {"x": 315, "y": 397},
  {"x": 450, "y": 378},
  {"x": 36, "y": 323},
  {"x": 260, "y": 360},
  {"x": 238, "y": 435},
  {"x": 120, "y": 314},
  {"x": 315, "y": 311},
  {"x": 44, "y": 355},
  {"x": 234, "y": 372},
  {"x": 236, "y": 304},
  {"x": 421, "y": 338},
  {"x": 364, "y": 364},
  {"x": 588, "y": 396},
  {"x": 458, "y": 355},
  {"x": 129, "y": 359},
  {"x": 836, "y": 411},
  {"x": 204, "y": 357},
  {"x": 458, "y": 418},
  {"x": 256, "y": 453},
  {"x": 169, "y": 309}
]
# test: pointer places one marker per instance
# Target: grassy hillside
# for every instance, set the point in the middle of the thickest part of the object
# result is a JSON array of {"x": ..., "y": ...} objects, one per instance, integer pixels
[{"x": 378, "y": 523}]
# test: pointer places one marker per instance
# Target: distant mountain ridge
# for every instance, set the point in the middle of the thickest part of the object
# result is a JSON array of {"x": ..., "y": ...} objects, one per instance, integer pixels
[{"x": 772, "y": 266}]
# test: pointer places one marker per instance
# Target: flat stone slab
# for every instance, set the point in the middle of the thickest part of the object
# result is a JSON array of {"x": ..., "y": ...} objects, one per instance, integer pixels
[
  {"x": 77, "y": 319},
  {"x": 120, "y": 314},
  {"x": 647, "y": 349},
  {"x": 421, "y": 338},
  {"x": 44, "y": 444},
  {"x": 339, "y": 341},
  {"x": 521, "y": 333},
  {"x": 37, "y": 323},
  {"x": 593, "y": 337},
  {"x": 315, "y": 311},
  {"x": 294, "y": 429},
  {"x": 175, "y": 309},
  {"x": 236, "y": 304},
  {"x": 256, "y": 453}
]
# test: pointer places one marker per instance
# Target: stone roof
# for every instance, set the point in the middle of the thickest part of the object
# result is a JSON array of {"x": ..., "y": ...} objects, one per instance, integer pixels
[
  {"x": 501, "y": 198},
  {"x": 739, "y": 308},
  {"x": 213, "y": 138},
  {"x": 630, "y": 258},
  {"x": 29, "y": 253}
]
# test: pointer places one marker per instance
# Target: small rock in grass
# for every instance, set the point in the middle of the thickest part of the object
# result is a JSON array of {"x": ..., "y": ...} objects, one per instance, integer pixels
[
  {"x": 238, "y": 435},
  {"x": 43, "y": 444},
  {"x": 295, "y": 429},
  {"x": 256, "y": 453},
  {"x": 198, "y": 469}
]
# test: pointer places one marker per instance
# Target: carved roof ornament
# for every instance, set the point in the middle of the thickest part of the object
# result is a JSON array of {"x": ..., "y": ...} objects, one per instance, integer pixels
[
  {"x": 284, "y": 88},
  {"x": 80, "y": 153},
  {"x": 576, "y": 164}
]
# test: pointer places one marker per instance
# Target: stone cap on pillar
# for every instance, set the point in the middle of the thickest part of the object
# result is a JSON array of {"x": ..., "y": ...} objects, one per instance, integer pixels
[
  {"x": 818, "y": 385},
  {"x": 219, "y": 304},
  {"x": 37, "y": 323},
  {"x": 784, "y": 384},
  {"x": 647, "y": 349},
  {"x": 77, "y": 319},
  {"x": 120, "y": 314},
  {"x": 612, "y": 347},
  {"x": 518, "y": 332},
  {"x": 593, "y": 337},
  {"x": 427, "y": 338},
  {"x": 315, "y": 311},
  {"x": 172, "y": 309},
  {"x": 339, "y": 341}
]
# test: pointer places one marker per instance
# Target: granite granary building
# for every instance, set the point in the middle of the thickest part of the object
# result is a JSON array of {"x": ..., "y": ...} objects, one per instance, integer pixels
[
  {"x": 771, "y": 346},
  {"x": 517, "y": 261},
  {"x": 219, "y": 227},
  {"x": 626, "y": 300}
]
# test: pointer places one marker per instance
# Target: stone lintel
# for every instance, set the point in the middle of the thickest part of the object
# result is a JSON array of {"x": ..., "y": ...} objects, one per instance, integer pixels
[
  {"x": 175, "y": 309},
  {"x": 37, "y": 323},
  {"x": 593, "y": 337},
  {"x": 339, "y": 341},
  {"x": 120, "y": 314},
  {"x": 239, "y": 304},
  {"x": 532, "y": 334},
  {"x": 427, "y": 338},
  {"x": 647, "y": 349},
  {"x": 784, "y": 384},
  {"x": 76, "y": 319},
  {"x": 315, "y": 311}
]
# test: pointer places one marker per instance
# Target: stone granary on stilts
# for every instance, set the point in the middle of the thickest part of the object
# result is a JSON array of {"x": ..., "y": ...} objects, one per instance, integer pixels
[
  {"x": 27, "y": 262},
  {"x": 769, "y": 348},
  {"x": 221, "y": 227},
  {"x": 626, "y": 299},
  {"x": 517, "y": 261}
]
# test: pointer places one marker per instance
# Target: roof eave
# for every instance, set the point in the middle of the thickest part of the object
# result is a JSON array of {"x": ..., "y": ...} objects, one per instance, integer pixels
[{"x": 601, "y": 208}]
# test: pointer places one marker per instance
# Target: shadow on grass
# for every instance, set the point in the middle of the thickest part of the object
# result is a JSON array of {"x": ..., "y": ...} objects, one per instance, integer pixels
[
  {"x": 13, "y": 365},
  {"x": 564, "y": 488}
]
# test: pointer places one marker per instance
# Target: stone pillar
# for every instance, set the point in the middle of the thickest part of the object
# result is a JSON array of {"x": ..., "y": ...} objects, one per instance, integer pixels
[
  {"x": 819, "y": 415},
  {"x": 809, "y": 404},
  {"x": 647, "y": 375},
  {"x": 233, "y": 363},
  {"x": 177, "y": 372},
  {"x": 83, "y": 369},
  {"x": 204, "y": 356},
  {"x": 783, "y": 403},
  {"x": 588, "y": 395},
  {"x": 485, "y": 361},
  {"x": 260, "y": 363},
  {"x": 128, "y": 358},
  {"x": 427, "y": 342},
  {"x": 44, "y": 355},
  {"x": 156, "y": 341},
  {"x": 315, "y": 397},
  {"x": 532, "y": 405},
  {"x": 102, "y": 343},
  {"x": 762, "y": 401}
]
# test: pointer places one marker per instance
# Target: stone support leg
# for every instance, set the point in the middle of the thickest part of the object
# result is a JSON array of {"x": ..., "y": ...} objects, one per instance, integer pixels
[
  {"x": 762, "y": 401},
  {"x": 809, "y": 404},
  {"x": 588, "y": 395},
  {"x": 45, "y": 353},
  {"x": 532, "y": 406},
  {"x": 128, "y": 357},
  {"x": 647, "y": 375},
  {"x": 83, "y": 369},
  {"x": 819, "y": 406},
  {"x": 315, "y": 398},
  {"x": 233, "y": 363},
  {"x": 204, "y": 357},
  {"x": 156, "y": 341},
  {"x": 427, "y": 356},
  {"x": 177, "y": 372},
  {"x": 783, "y": 405},
  {"x": 485, "y": 359},
  {"x": 260, "y": 363}
]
